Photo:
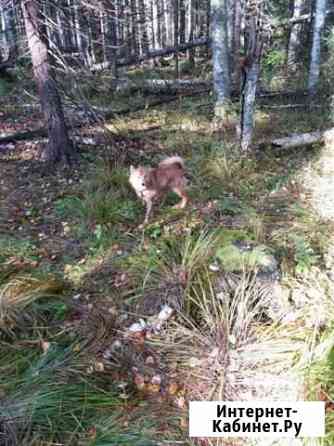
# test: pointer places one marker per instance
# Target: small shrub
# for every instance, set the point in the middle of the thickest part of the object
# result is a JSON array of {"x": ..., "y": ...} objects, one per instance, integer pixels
[{"x": 304, "y": 255}]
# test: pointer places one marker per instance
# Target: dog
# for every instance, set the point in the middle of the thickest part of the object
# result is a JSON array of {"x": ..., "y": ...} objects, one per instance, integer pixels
[{"x": 150, "y": 184}]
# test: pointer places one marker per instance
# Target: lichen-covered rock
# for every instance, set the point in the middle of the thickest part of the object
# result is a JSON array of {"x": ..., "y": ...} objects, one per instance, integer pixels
[{"x": 239, "y": 256}]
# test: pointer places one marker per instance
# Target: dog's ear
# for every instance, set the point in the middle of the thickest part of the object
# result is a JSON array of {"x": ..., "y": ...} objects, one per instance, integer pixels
[{"x": 132, "y": 169}]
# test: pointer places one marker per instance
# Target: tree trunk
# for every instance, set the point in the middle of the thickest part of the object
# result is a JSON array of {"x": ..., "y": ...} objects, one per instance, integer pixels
[
  {"x": 59, "y": 146},
  {"x": 134, "y": 29},
  {"x": 236, "y": 41},
  {"x": 156, "y": 25},
  {"x": 295, "y": 29},
  {"x": 221, "y": 71},
  {"x": 104, "y": 44},
  {"x": 119, "y": 21},
  {"x": 112, "y": 38},
  {"x": 208, "y": 20},
  {"x": 176, "y": 37},
  {"x": 230, "y": 28},
  {"x": 170, "y": 22},
  {"x": 143, "y": 26},
  {"x": 8, "y": 31},
  {"x": 248, "y": 106},
  {"x": 151, "y": 54},
  {"x": 152, "y": 28},
  {"x": 182, "y": 26},
  {"x": 318, "y": 24},
  {"x": 65, "y": 18},
  {"x": 90, "y": 39},
  {"x": 191, "y": 54},
  {"x": 127, "y": 30},
  {"x": 164, "y": 26},
  {"x": 255, "y": 34}
]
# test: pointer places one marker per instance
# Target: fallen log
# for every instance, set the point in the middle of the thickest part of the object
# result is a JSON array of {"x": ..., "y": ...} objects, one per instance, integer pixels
[
  {"x": 23, "y": 136},
  {"x": 170, "y": 86},
  {"x": 133, "y": 60},
  {"x": 159, "y": 86},
  {"x": 303, "y": 139},
  {"x": 105, "y": 113},
  {"x": 109, "y": 114}
]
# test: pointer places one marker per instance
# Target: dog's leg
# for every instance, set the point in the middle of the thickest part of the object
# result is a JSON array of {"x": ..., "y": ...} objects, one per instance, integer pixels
[
  {"x": 149, "y": 204},
  {"x": 184, "y": 198}
]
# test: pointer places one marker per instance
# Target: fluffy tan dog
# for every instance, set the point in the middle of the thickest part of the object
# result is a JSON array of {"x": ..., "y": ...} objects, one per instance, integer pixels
[{"x": 151, "y": 184}]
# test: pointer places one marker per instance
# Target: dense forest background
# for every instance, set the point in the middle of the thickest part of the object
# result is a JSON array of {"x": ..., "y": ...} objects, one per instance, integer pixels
[
  {"x": 67, "y": 39},
  {"x": 108, "y": 328}
]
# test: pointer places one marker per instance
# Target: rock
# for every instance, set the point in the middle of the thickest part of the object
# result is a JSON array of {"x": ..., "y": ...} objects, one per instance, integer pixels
[
  {"x": 253, "y": 267},
  {"x": 240, "y": 256}
]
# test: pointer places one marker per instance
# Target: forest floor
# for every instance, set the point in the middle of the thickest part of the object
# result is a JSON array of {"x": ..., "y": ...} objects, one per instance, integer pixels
[{"x": 83, "y": 358}]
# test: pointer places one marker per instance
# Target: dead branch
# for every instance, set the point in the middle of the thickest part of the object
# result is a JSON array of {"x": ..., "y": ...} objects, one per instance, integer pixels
[
  {"x": 105, "y": 113},
  {"x": 159, "y": 86},
  {"x": 151, "y": 55},
  {"x": 303, "y": 139}
]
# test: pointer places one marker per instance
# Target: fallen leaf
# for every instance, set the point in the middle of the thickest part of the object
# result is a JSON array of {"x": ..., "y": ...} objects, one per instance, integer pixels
[
  {"x": 45, "y": 346},
  {"x": 153, "y": 388},
  {"x": 99, "y": 366},
  {"x": 92, "y": 432},
  {"x": 183, "y": 423},
  {"x": 139, "y": 381},
  {"x": 172, "y": 388}
]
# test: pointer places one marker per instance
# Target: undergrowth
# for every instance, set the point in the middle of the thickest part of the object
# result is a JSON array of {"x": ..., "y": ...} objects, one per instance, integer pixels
[{"x": 55, "y": 385}]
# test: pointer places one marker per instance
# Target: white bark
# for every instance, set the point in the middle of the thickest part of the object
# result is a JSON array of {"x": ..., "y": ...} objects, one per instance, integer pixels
[
  {"x": 156, "y": 25},
  {"x": 230, "y": 24},
  {"x": 220, "y": 53},
  {"x": 318, "y": 24},
  {"x": 295, "y": 33},
  {"x": 249, "y": 106},
  {"x": 8, "y": 30}
]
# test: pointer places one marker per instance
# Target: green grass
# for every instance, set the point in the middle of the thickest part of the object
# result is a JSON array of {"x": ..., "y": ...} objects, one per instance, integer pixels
[
  {"x": 10, "y": 247},
  {"x": 46, "y": 406},
  {"x": 47, "y": 392},
  {"x": 105, "y": 199},
  {"x": 51, "y": 389}
]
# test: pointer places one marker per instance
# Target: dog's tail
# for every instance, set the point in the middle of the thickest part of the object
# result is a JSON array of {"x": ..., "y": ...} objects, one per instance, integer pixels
[{"x": 172, "y": 160}]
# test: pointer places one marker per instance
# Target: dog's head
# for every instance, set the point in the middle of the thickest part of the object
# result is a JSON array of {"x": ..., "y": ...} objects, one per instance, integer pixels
[{"x": 137, "y": 178}]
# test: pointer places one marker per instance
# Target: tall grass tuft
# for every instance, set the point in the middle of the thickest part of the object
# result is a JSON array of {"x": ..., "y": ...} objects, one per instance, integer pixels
[{"x": 22, "y": 291}]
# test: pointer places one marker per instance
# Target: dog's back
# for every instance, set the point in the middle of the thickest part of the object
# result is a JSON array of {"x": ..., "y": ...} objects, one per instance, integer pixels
[
  {"x": 171, "y": 160},
  {"x": 168, "y": 174}
]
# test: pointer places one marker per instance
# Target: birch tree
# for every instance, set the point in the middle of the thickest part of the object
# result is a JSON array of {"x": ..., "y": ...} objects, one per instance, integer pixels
[
  {"x": 182, "y": 7},
  {"x": 191, "y": 31},
  {"x": 220, "y": 56},
  {"x": 318, "y": 25},
  {"x": 255, "y": 34},
  {"x": 294, "y": 34},
  {"x": 176, "y": 37},
  {"x": 8, "y": 30},
  {"x": 236, "y": 41},
  {"x": 59, "y": 146}
]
